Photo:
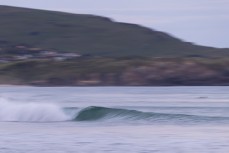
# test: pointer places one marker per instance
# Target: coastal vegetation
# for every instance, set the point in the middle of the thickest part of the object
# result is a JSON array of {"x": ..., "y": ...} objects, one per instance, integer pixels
[{"x": 86, "y": 71}]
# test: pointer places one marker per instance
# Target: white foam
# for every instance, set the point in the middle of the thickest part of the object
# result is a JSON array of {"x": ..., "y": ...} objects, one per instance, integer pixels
[{"x": 31, "y": 112}]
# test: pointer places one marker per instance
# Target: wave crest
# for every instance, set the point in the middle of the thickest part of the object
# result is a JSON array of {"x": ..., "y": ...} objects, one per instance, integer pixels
[{"x": 31, "y": 112}]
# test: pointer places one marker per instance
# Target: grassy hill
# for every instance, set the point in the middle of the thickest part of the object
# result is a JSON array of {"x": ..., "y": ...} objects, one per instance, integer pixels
[{"x": 89, "y": 34}]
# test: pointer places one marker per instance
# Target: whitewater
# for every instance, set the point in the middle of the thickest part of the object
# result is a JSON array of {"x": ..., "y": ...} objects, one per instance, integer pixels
[{"x": 114, "y": 119}]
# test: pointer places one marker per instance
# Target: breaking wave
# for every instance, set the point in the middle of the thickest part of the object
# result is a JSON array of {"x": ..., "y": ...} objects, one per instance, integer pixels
[
  {"x": 31, "y": 112},
  {"x": 102, "y": 113},
  {"x": 42, "y": 112}
]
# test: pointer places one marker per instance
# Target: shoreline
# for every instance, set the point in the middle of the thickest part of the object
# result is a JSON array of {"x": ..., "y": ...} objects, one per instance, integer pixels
[{"x": 11, "y": 85}]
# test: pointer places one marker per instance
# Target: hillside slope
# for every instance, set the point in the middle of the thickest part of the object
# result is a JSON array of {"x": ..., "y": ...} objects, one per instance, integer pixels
[{"x": 89, "y": 34}]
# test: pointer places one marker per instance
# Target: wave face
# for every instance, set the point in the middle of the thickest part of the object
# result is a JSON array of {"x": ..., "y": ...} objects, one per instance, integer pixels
[
  {"x": 42, "y": 112},
  {"x": 31, "y": 112},
  {"x": 102, "y": 113},
  {"x": 113, "y": 114}
]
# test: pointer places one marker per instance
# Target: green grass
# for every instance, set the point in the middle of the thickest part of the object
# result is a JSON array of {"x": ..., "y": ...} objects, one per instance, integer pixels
[{"x": 89, "y": 34}]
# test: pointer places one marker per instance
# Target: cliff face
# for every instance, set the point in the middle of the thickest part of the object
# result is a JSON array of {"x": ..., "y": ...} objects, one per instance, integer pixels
[
  {"x": 90, "y": 35},
  {"x": 118, "y": 72}
]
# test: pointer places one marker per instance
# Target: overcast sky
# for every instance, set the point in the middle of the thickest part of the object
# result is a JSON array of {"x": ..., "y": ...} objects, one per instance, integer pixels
[{"x": 203, "y": 22}]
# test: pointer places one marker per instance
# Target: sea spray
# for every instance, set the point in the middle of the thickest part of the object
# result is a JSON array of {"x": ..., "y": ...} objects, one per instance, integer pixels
[{"x": 31, "y": 112}]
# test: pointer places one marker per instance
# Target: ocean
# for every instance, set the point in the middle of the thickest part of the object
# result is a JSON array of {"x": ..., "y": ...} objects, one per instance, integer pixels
[{"x": 114, "y": 119}]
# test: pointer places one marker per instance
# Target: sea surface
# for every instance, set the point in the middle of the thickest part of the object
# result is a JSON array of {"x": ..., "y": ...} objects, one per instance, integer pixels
[{"x": 114, "y": 119}]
